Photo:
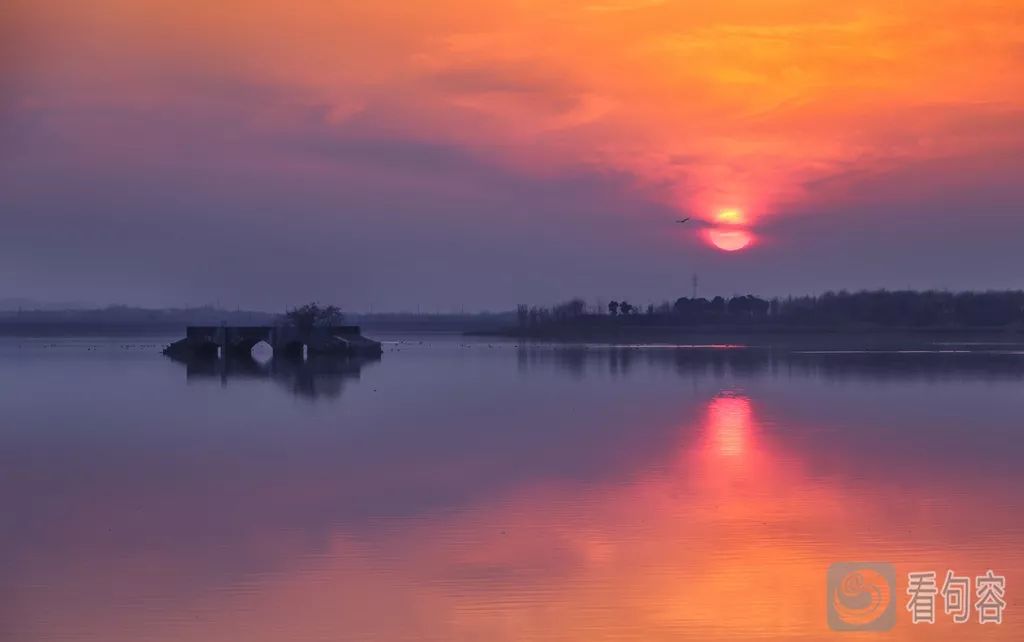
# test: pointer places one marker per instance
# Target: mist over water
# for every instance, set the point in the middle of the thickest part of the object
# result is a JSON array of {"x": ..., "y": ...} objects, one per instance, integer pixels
[{"x": 464, "y": 489}]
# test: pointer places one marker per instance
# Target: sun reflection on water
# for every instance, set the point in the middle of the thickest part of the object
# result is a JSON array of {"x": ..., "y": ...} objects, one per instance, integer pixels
[{"x": 730, "y": 423}]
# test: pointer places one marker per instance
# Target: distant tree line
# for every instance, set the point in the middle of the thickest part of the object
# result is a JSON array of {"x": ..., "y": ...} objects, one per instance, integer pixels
[{"x": 880, "y": 308}]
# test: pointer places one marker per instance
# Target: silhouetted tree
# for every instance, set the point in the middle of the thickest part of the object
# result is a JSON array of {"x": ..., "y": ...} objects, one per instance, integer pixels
[
  {"x": 718, "y": 305},
  {"x": 570, "y": 309},
  {"x": 311, "y": 315},
  {"x": 523, "y": 314},
  {"x": 613, "y": 308},
  {"x": 748, "y": 306}
]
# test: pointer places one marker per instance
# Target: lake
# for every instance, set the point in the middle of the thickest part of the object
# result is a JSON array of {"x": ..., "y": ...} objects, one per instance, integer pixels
[{"x": 478, "y": 490}]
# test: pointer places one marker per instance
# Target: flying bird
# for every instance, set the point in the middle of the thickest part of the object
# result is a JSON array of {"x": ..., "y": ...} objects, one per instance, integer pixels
[{"x": 683, "y": 220}]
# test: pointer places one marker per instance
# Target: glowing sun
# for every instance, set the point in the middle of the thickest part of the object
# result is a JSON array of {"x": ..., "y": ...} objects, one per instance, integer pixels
[
  {"x": 730, "y": 240},
  {"x": 728, "y": 233}
]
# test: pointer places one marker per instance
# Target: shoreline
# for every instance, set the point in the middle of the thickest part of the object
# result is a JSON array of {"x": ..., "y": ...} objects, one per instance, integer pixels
[{"x": 760, "y": 336}]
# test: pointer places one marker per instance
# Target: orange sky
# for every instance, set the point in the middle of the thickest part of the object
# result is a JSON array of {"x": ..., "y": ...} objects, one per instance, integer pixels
[
  {"x": 729, "y": 104},
  {"x": 779, "y": 109}
]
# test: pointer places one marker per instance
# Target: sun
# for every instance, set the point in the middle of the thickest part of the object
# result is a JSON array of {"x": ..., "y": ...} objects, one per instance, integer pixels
[
  {"x": 730, "y": 240},
  {"x": 729, "y": 232}
]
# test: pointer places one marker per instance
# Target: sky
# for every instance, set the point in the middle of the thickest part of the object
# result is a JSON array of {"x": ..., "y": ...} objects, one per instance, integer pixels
[{"x": 458, "y": 154}]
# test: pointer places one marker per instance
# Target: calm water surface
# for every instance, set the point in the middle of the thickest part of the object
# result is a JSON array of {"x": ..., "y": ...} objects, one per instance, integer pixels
[{"x": 473, "y": 491}]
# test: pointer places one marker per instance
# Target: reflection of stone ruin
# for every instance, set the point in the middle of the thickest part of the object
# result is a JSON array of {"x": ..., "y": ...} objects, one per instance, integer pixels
[
  {"x": 285, "y": 341},
  {"x": 316, "y": 376}
]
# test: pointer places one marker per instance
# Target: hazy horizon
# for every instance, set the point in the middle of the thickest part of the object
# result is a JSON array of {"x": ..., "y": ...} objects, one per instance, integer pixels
[{"x": 596, "y": 305}]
